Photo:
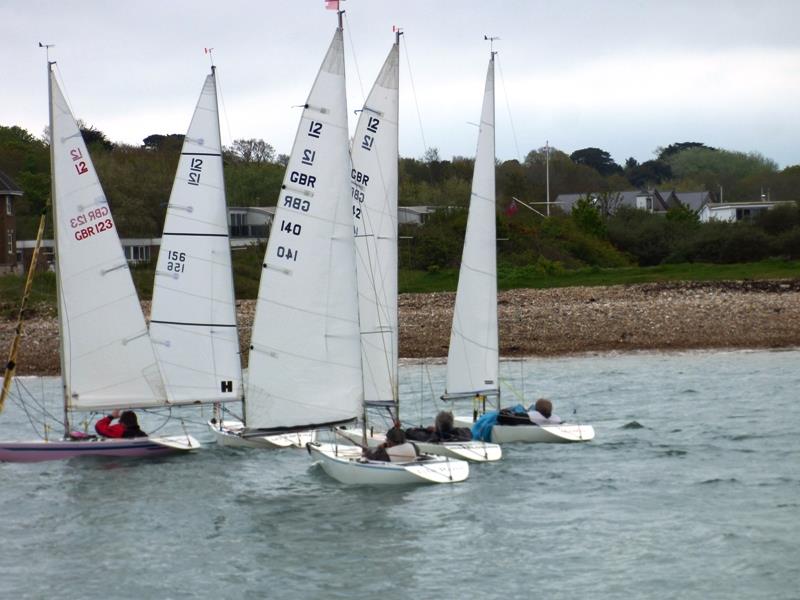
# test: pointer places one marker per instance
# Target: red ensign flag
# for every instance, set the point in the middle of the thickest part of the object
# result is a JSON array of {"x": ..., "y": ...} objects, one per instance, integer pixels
[{"x": 332, "y": 4}]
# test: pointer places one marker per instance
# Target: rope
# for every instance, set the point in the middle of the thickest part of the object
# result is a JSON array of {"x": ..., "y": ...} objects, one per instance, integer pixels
[
  {"x": 416, "y": 102},
  {"x": 508, "y": 107},
  {"x": 224, "y": 109},
  {"x": 355, "y": 59}
]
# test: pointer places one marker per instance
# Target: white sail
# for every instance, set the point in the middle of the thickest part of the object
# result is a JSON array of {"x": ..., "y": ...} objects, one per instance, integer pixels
[
  {"x": 107, "y": 357},
  {"x": 193, "y": 315},
  {"x": 305, "y": 354},
  {"x": 374, "y": 192},
  {"x": 472, "y": 360}
]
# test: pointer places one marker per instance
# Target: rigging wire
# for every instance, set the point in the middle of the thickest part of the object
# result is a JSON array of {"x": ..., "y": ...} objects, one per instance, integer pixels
[
  {"x": 355, "y": 58},
  {"x": 416, "y": 102},
  {"x": 224, "y": 110},
  {"x": 508, "y": 108}
]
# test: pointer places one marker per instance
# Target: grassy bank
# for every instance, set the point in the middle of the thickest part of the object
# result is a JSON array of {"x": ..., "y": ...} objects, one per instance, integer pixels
[
  {"x": 534, "y": 277},
  {"x": 247, "y": 271}
]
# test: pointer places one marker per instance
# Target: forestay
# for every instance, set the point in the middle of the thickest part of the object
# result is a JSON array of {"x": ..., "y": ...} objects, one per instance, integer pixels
[
  {"x": 374, "y": 191},
  {"x": 305, "y": 354},
  {"x": 472, "y": 360},
  {"x": 107, "y": 357},
  {"x": 193, "y": 316}
]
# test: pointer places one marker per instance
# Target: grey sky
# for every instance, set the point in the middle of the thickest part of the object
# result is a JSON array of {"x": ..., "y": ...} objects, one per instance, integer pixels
[{"x": 626, "y": 76}]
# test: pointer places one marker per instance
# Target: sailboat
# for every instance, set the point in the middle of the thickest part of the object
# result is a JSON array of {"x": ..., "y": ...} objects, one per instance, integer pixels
[
  {"x": 374, "y": 180},
  {"x": 374, "y": 210},
  {"x": 107, "y": 359},
  {"x": 473, "y": 354}
]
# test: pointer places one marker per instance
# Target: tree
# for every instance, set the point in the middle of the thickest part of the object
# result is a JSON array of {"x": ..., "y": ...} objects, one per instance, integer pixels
[
  {"x": 649, "y": 173},
  {"x": 253, "y": 150},
  {"x": 586, "y": 215},
  {"x": 663, "y": 153},
  {"x": 94, "y": 137},
  {"x": 157, "y": 141},
  {"x": 597, "y": 159},
  {"x": 431, "y": 155}
]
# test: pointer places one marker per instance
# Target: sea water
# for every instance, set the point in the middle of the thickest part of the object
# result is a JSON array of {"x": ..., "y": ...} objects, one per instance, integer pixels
[{"x": 691, "y": 489}]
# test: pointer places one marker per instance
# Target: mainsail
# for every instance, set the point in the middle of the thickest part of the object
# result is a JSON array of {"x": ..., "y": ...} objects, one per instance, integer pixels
[
  {"x": 374, "y": 193},
  {"x": 107, "y": 357},
  {"x": 305, "y": 354},
  {"x": 193, "y": 316},
  {"x": 472, "y": 360}
]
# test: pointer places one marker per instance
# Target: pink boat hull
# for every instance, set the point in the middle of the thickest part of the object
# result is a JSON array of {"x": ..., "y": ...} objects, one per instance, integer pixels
[{"x": 37, "y": 451}]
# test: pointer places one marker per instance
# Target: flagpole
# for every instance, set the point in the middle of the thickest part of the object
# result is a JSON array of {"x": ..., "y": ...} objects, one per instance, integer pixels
[{"x": 547, "y": 172}]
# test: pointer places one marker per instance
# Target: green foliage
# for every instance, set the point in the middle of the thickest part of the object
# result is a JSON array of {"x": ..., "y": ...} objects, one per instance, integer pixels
[
  {"x": 719, "y": 242},
  {"x": 779, "y": 219},
  {"x": 247, "y": 267},
  {"x": 587, "y": 217},
  {"x": 680, "y": 213},
  {"x": 740, "y": 174},
  {"x": 597, "y": 159},
  {"x": 41, "y": 300},
  {"x": 672, "y": 149},
  {"x": 646, "y": 236}
]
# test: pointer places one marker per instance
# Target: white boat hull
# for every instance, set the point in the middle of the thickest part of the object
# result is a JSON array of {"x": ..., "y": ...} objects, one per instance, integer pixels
[
  {"x": 564, "y": 433},
  {"x": 229, "y": 433},
  {"x": 472, "y": 450},
  {"x": 40, "y": 450},
  {"x": 345, "y": 465}
]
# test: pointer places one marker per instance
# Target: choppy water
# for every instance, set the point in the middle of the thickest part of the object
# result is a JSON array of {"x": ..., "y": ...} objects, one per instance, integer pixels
[{"x": 690, "y": 490}]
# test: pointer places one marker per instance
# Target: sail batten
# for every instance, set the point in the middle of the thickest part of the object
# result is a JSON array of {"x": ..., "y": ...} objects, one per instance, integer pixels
[
  {"x": 473, "y": 354},
  {"x": 304, "y": 365},
  {"x": 193, "y": 313}
]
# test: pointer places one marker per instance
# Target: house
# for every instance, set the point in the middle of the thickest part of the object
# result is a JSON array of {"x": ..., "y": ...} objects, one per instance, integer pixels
[
  {"x": 9, "y": 192},
  {"x": 654, "y": 201},
  {"x": 649, "y": 200},
  {"x": 414, "y": 215},
  {"x": 736, "y": 211},
  {"x": 250, "y": 221}
]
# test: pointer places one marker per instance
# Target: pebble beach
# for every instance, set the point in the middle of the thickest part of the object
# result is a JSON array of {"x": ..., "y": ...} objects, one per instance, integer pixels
[{"x": 548, "y": 322}]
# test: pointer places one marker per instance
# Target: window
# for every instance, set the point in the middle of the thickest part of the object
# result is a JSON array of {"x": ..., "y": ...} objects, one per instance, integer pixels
[
  {"x": 137, "y": 253},
  {"x": 9, "y": 206},
  {"x": 10, "y": 240}
]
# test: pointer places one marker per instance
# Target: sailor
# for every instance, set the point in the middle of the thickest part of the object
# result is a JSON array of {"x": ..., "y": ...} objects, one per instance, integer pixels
[
  {"x": 541, "y": 413},
  {"x": 394, "y": 449},
  {"x": 127, "y": 427}
]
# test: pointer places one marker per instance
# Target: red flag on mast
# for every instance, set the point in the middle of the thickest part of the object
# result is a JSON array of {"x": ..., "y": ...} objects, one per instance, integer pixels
[
  {"x": 332, "y": 4},
  {"x": 512, "y": 208}
]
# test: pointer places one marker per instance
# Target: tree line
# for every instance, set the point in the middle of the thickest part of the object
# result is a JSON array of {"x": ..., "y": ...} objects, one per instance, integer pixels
[{"x": 138, "y": 179}]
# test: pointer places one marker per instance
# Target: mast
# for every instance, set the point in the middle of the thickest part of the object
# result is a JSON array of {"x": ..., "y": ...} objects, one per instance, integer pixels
[{"x": 54, "y": 201}]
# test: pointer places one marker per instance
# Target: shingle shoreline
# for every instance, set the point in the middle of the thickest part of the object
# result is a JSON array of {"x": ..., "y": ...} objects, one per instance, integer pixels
[{"x": 555, "y": 321}]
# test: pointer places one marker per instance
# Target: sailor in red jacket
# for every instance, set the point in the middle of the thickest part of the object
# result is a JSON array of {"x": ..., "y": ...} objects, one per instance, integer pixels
[{"x": 128, "y": 426}]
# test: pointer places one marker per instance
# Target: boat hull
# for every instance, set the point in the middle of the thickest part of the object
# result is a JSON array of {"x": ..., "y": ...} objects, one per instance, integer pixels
[
  {"x": 472, "y": 450},
  {"x": 564, "y": 433},
  {"x": 40, "y": 450},
  {"x": 229, "y": 433},
  {"x": 345, "y": 465}
]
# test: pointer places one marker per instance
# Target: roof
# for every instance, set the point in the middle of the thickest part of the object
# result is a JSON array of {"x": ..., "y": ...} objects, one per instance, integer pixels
[
  {"x": 727, "y": 205},
  {"x": 8, "y": 187},
  {"x": 420, "y": 210}
]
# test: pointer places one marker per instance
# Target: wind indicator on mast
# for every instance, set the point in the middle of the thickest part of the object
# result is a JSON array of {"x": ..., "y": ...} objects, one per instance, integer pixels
[
  {"x": 47, "y": 50},
  {"x": 491, "y": 40},
  {"x": 398, "y": 31},
  {"x": 210, "y": 52},
  {"x": 334, "y": 5}
]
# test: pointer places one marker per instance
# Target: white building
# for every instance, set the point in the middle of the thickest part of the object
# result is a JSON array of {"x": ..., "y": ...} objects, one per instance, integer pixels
[{"x": 735, "y": 211}]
